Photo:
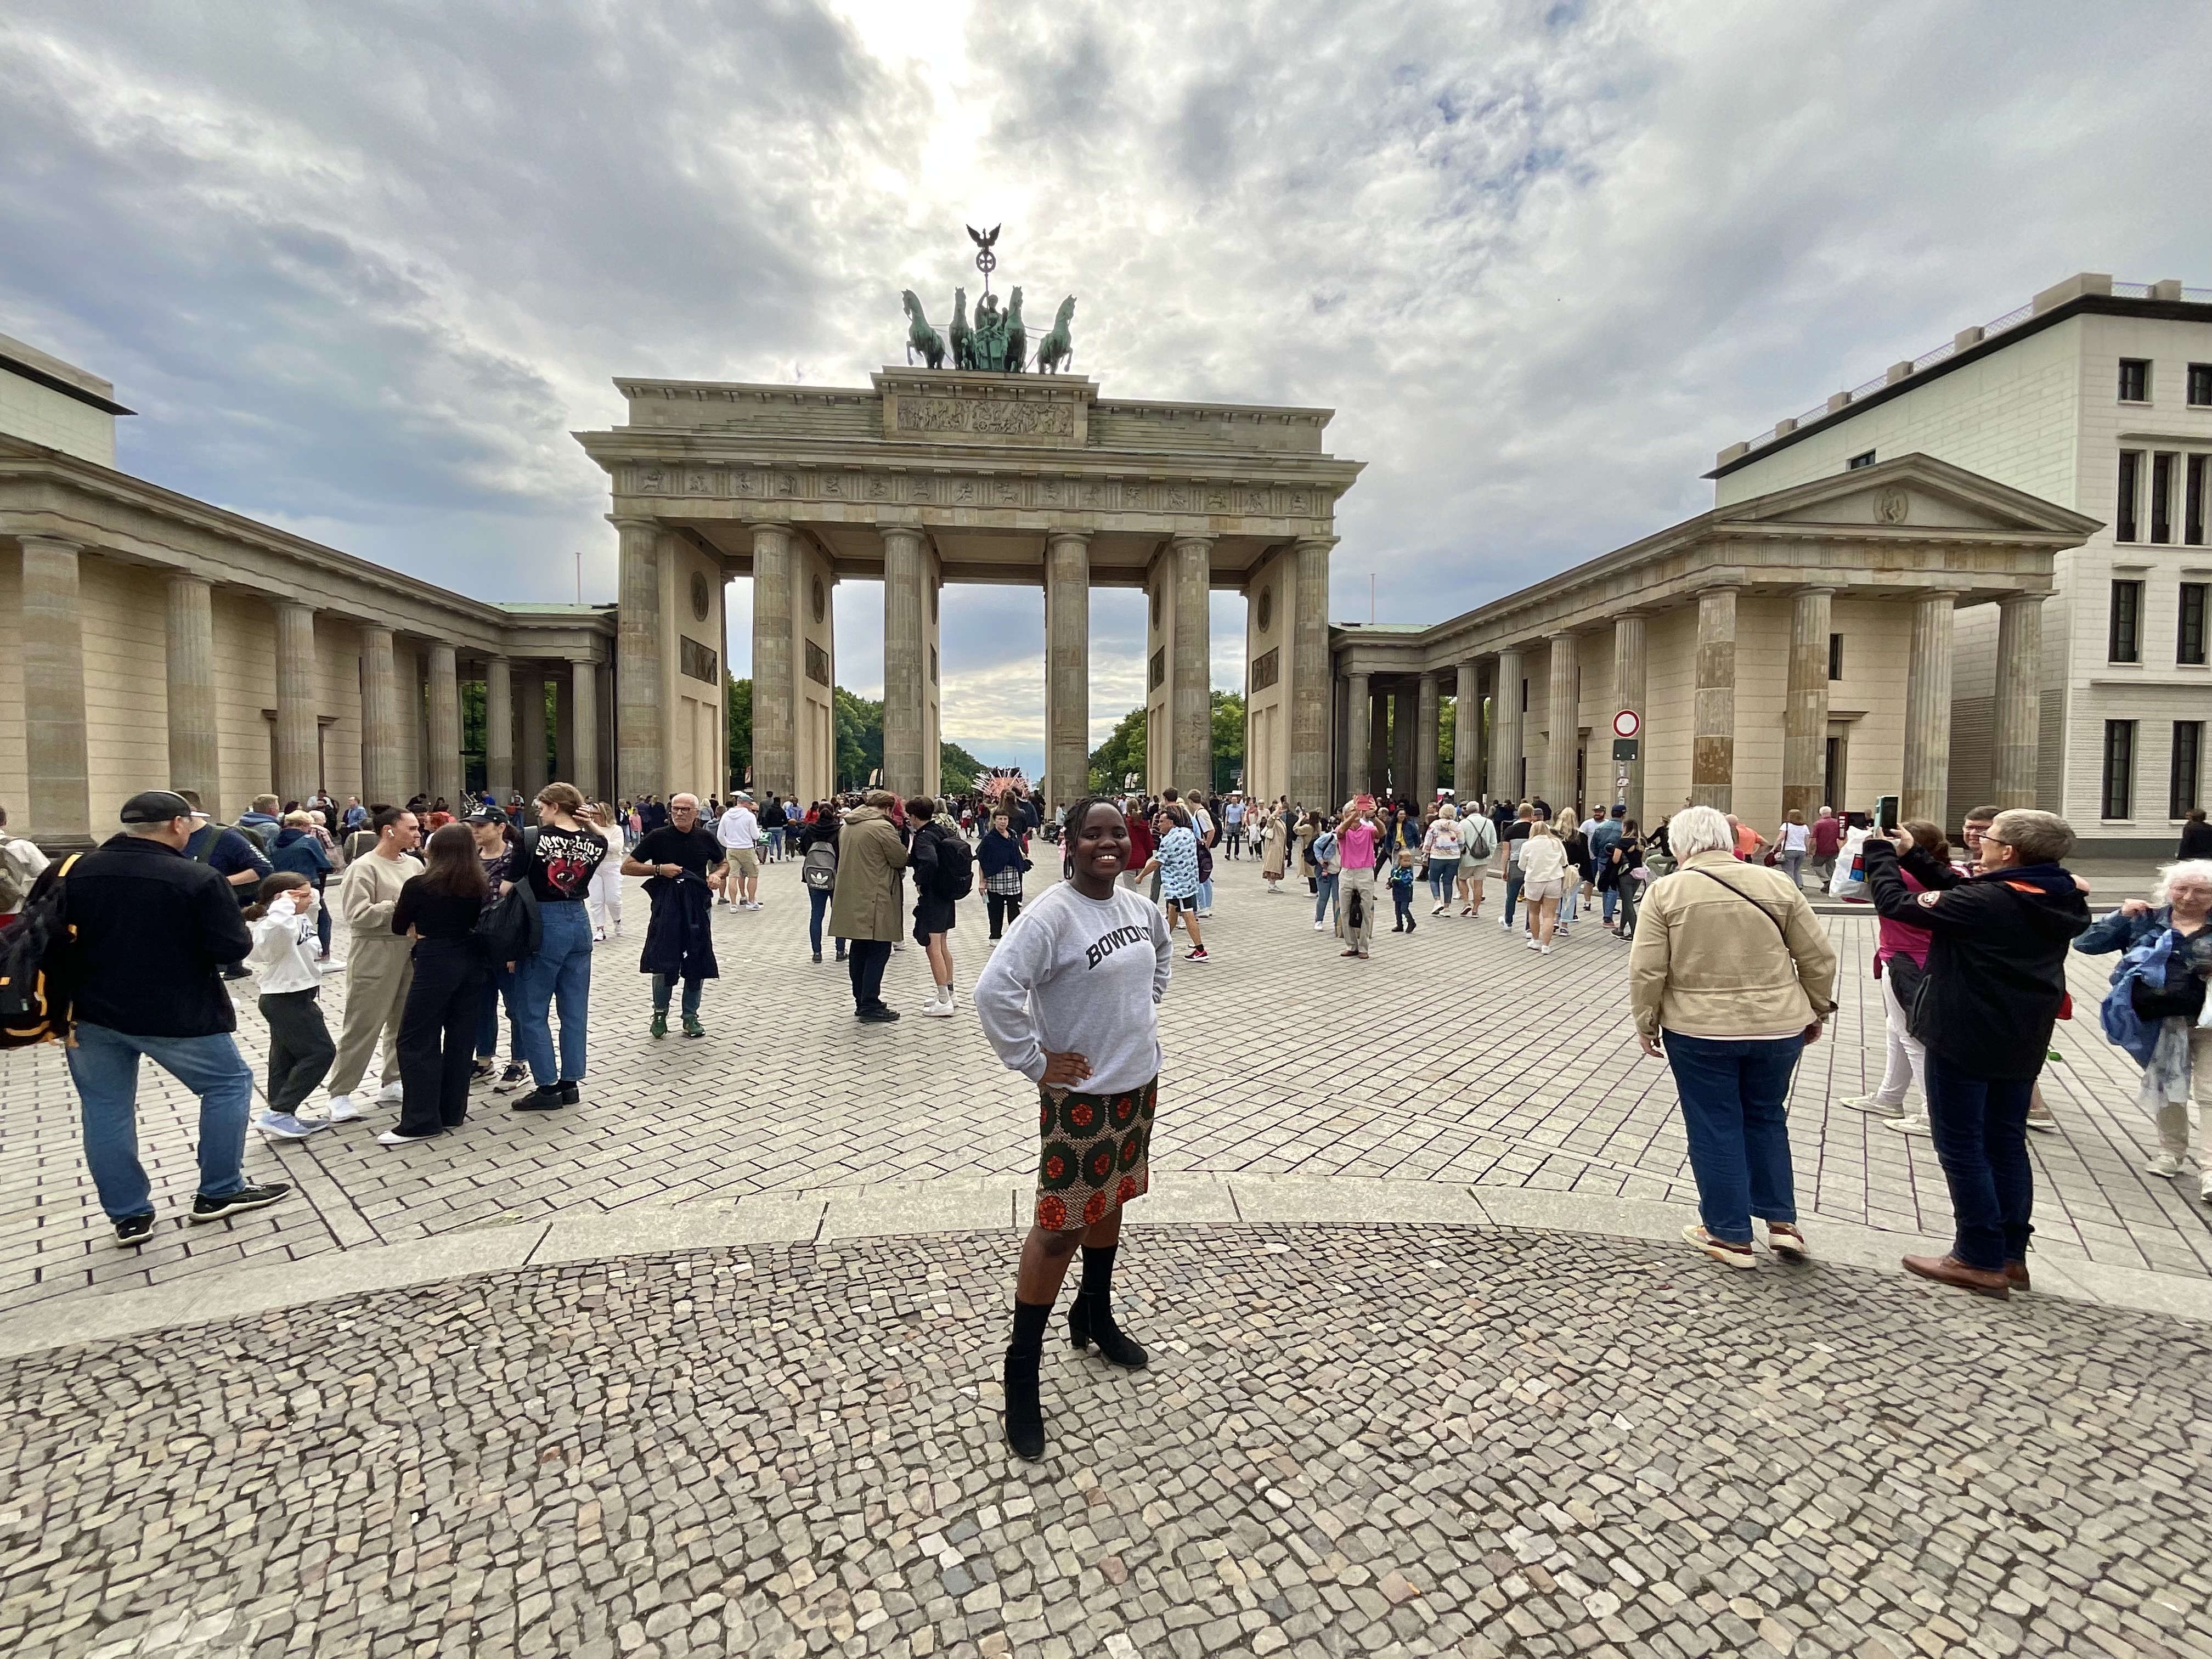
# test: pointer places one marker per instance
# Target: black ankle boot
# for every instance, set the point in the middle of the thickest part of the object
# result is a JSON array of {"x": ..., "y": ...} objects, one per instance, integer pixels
[
  {"x": 1024, "y": 1411},
  {"x": 1090, "y": 1321}
]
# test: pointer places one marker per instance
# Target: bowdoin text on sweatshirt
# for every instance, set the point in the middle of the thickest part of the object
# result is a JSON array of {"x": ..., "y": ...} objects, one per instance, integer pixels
[{"x": 1080, "y": 974}]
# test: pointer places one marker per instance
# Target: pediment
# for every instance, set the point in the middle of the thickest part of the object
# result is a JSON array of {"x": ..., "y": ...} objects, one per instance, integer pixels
[{"x": 1913, "y": 492}]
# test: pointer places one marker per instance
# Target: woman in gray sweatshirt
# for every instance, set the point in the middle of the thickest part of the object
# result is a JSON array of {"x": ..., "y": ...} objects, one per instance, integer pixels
[{"x": 1068, "y": 1000}]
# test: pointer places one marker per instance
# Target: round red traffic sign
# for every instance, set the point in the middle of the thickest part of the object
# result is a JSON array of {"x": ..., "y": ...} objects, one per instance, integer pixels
[{"x": 1626, "y": 723}]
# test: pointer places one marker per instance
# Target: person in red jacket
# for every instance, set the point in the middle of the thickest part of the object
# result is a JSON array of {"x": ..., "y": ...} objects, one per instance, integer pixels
[
  {"x": 1140, "y": 844},
  {"x": 1827, "y": 841}
]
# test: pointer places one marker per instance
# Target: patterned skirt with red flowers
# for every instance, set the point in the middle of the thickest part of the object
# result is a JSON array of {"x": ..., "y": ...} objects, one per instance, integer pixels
[{"x": 1096, "y": 1156}]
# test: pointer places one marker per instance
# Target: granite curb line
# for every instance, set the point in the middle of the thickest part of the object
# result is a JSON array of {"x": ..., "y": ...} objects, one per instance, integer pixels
[{"x": 963, "y": 1205}]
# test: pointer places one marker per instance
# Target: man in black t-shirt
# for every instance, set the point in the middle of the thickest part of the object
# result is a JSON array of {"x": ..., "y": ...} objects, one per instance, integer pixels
[{"x": 679, "y": 861}]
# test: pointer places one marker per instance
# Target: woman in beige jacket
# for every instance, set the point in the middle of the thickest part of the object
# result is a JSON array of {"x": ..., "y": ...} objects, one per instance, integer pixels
[{"x": 1734, "y": 973}]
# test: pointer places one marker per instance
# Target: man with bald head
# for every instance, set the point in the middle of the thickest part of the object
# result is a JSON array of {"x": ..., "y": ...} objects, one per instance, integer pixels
[{"x": 682, "y": 862}]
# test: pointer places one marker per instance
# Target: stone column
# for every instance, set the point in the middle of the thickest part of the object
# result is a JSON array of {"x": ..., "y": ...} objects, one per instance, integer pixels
[
  {"x": 584, "y": 700},
  {"x": 1712, "y": 739},
  {"x": 2019, "y": 699},
  {"x": 1805, "y": 715},
  {"x": 443, "y": 763},
  {"x": 1566, "y": 717},
  {"x": 1510, "y": 729},
  {"x": 1191, "y": 675},
  {"x": 57, "y": 785},
  {"x": 380, "y": 782},
  {"x": 641, "y": 735},
  {"x": 1403, "y": 721},
  {"x": 1067, "y": 665},
  {"x": 1378, "y": 741},
  {"x": 1466, "y": 734},
  {"x": 535, "y": 766},
  {"x": 299, "y": 758},
  {"x": 1359, "y": 745},
  {"x": 1428, "y": 739},
  {"x": 775, "y": 676},
  {"x": 1310, "y": 713},
  {"x": 195, "y": 756},
  {"x": 906, "y": 660},
  {"x": 1628, "y": 669},
  {"x": 499, "y": 728},
  {"x": 1928, "y": 710}
]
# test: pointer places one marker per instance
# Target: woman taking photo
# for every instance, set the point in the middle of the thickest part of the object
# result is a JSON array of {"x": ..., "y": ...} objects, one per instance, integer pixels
[
  {"x": 438, "y": 910},
  {"x": 1617, "y": 875},
  {"x": 1069, "y": 999},
  {"x": 558, "y": 859}
]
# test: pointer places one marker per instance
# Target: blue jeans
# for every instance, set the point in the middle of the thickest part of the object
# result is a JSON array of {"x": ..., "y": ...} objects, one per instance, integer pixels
[
  {"x": 104, "y": 1065},
  {"x": 1733, "y": 1095},
  {"x": 774, "y": 838},
  {"x": 1324, "y": 897},
  {"x": 1605, "y": 904},
  {"x": 501, "y": 992},
  {"x": 818, "y": 901},
  {"x": 561, "y": 973},
  {"x": 1205, "y": 894},
  {"x": 1979, "y": 1126},
  {"x": 662, "y": 986},
  {"x": 1441, "y": 873},
  {"x": 1512, "y": 892}
]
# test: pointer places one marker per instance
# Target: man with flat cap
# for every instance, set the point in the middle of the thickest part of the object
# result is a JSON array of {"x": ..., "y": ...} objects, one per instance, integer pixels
[{"x": 151, "y": 931}]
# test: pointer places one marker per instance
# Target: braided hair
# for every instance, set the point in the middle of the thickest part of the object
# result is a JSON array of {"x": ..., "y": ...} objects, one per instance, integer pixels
[{"x": 1076, "y": 813}]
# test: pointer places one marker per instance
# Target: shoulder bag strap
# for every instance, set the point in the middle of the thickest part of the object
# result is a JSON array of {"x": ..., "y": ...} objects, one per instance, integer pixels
[{"x": 1747, "y": 899}]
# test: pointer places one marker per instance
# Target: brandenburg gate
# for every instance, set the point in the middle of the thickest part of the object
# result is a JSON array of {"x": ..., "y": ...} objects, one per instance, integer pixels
[{"x": 930, "y": 476}]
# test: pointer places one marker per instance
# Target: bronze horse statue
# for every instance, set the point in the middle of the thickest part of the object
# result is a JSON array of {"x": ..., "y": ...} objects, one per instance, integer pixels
[
  {"x": 1059, "y": 347},
  {"x": 920, "y": 336},
  {"x": 963, "y": 337},
  {"x": 1017, "y": 337}
]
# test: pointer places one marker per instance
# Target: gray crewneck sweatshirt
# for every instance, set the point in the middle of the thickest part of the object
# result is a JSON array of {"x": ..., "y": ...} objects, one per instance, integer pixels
[{"x": 1074, "y": 973}]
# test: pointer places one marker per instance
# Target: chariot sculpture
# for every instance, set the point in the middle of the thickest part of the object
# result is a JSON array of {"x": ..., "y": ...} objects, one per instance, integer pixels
[{"x": 997, "y": 341}]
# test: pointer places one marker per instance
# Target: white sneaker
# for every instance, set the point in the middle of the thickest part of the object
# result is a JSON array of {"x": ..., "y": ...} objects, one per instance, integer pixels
[
  {"x": 1544, "y": 950},
  {"x": 936, "y": 1010},
  {"x": 1910, "y": 1123},
  {"x": 1321, "y": 926},
  {"x": 393, "y": 1138},
  {"x": 1506, "y": 925},
  {"x": 1876, "y": 1104},
  {"x": 2165, "y": 1163},
  {"x": 342, "y": 1109},
  {"x": 391, "y": 1094},
  {"x": 2204, "y": 1189},
  {"x": 1533, "y": 946},
  {"x": 327, "y": 969}
]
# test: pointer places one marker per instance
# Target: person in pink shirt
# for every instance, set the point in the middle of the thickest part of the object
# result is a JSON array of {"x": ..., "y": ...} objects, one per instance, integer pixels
[
  {"x": 1356, "y": 837},
  {"x": 1908, "y": 1058}
]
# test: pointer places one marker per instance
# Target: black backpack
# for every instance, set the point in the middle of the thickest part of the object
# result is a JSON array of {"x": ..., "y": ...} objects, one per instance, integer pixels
[
  {"x": 32, "y": 1009},
  {"x": 956, "y": 866}
]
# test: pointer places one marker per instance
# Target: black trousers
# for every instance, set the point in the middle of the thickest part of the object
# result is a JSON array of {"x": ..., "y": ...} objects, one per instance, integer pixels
[
  {"x": 437, "y": 1035},
  {"x": 866, "y": 961},
  {"x": 1003, "y": 908},
  {"x": 299, "y": 1046}
]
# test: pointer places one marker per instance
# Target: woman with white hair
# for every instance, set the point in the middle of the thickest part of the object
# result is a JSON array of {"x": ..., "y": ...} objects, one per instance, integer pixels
[
  {"x": 2178, "y": 1060},
  {"x": 1730, "y": 977},
  {"x": 1444, "y": 846}
]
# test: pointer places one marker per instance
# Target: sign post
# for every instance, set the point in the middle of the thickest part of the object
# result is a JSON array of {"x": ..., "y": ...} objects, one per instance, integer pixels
[{"x": 1625, "y": 725}]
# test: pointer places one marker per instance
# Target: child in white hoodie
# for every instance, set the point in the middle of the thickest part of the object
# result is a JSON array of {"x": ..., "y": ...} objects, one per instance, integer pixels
[{"x": 283, "y": 961}]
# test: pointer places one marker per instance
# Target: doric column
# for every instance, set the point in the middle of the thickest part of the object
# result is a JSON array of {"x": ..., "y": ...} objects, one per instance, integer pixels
[
  {"x": 775, "y": 676},
  {"x": 1378, "y": 741},
  {"x": 1928, "y": 710},
  {"x": 1428, "y": 739},
  {"x": 1566, "y": 717},
  {"x": 1805, "y": 715},
  {"x": 58, "y": 787},
  {"x": 1466, "y": 734},
  {"x": 640, "y": 737},
  {"x": 535, "y": 765},
  {"x": 1309, "y": 675},
  {"x": 1359, "y": 745},
  {"x": 1067, "y": 664},
  {"x": 443, "y": 763},
  {"x": 380, "y": 782},
  {"x": 499, "y": 728},
  {"x": 1191, "y": 676},
  {"x": 905, "y": 662},
  {"x": 1712, "y": 738},
  {"x": 1510, "y": 730},
  {"x": 1628, "y": 669},
  {"x": 2019, "y": 699},
  {"x": 298, "y": 758},
  {"x": 584, "y": 700},
  {"x": 195, "y": 756}
]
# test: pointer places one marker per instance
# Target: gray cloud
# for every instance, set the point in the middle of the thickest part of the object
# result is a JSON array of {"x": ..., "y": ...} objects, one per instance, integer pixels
[{"x": 364, "y": 269}]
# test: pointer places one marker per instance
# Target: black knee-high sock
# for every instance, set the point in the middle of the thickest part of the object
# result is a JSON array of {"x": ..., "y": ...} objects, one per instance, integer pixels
[{"x": 1098, "y": 1283}]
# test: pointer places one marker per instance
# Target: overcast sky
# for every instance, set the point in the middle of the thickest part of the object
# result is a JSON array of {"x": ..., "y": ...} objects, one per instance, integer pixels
[{"x": 363, "y": 269}]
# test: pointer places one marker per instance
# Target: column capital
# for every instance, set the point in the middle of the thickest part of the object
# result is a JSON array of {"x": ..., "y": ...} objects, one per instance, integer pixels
[
  {"x": 1324, "y": 543},
  {"x": 1068, "y": 535},
  {"x": 633, "y": 521},
  {"x": 2011, "y": 600},
  {"x": 50, "y": 544},
  {"x": 1810, "y": 589},
  {"x": 1192, "y": 538}
]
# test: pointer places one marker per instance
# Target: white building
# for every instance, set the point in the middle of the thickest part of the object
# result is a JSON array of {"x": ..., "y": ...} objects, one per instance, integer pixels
[{"x": 2096, "y": 396}]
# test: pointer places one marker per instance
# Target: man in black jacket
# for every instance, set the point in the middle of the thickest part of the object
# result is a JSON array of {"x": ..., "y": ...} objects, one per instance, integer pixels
[
  {"x": 152, "y": 931},
  {"x": 1995, "y": 982}
]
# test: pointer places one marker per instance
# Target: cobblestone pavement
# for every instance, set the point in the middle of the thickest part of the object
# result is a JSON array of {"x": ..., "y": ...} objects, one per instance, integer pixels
[
  {"x": 1386, "y": 1440},
  {"x": 1454, "y": 1056}
]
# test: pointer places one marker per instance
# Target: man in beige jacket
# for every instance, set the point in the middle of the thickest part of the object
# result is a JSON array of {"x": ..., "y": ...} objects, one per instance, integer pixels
[{"x": 380, "y": 965}]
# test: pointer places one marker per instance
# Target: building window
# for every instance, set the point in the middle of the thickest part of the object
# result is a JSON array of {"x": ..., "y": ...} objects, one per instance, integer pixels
[
  {"x": 2123, "y": 643},
  {"x": 1267, "y": 668},
  {"x": 2134, "y": 380},
  {"x": 697, "y": 661},
  {"x": 2161, "y": 496},
  {"x": 2124, "y": 515},
  {"x": 2200, "y": 385},
  {"x": 1835, "y": 656},
  {"x": 2189, "y": 642},
  {"x": 2182, "y": 798},
  {"x": 2193, "y": 503},
  {"x": 1858, "y": 461},
  {"x": 2120, "y": 770}
]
